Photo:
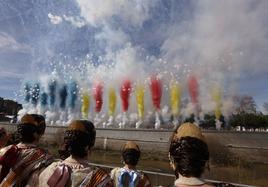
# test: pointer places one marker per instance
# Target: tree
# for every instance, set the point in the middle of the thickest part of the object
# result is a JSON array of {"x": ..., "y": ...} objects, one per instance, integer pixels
[
  {"x": 265, "y": 107},
  {"x": 249, "y": 121},
  {"x": 245, "y": 104},
  {"x": 190, "y": 119}
]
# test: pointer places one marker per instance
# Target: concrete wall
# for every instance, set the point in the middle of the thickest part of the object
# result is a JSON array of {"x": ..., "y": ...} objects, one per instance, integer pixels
[{"x": 252, "y": 146}]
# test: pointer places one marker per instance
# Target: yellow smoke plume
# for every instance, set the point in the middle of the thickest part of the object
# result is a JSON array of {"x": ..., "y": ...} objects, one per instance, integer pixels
[
  {"x": 216, "y": 96},
  {"x": 175, "y": 98},
  {"x": 140, "y": 100},
  {"x": 112, "y": 101},
  {"x": 85, "y": 105}
]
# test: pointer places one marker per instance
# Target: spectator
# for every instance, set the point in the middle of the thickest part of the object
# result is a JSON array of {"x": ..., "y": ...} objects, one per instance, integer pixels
[
  {"x": 75, "y": 169},
  {"x": 19, "y": 161},
  {"x": 188, "y": 154},
  {"x": 128, "y": 176}
]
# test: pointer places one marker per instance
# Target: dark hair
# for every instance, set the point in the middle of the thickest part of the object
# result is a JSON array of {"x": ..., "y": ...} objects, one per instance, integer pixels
[
  {"x": 189, "y": 155},
  {"x": 26, "y": 131},
  {"x": 40, "y": 129},
  {"x": 14, "y": 138},
  {"x": 3, "y": 132},
  {"x": 76, "y": 141},
  {"x": 131, "y": 156}
]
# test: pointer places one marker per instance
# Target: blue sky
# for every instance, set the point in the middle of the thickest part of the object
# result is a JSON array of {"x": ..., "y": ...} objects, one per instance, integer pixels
[{"x": 203, "y": 35}]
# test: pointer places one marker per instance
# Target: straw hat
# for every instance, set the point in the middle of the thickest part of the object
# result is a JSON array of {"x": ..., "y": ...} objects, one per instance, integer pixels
[
  {"x": 33, "y": 119},
  {"x": 131, "y": 145},
  {"x": 190, "y": 130}
]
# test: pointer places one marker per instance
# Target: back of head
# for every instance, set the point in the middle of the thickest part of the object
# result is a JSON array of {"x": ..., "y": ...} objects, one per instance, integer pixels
[
  {"x": 131, "y": 153},
  {"x": 3, "y": 132},
  {"x": 31, "y": 127},
  {"x": 188, "y": 151},
  {"x": 3, "y": 137},
  {"x": 78, "y": 139}
]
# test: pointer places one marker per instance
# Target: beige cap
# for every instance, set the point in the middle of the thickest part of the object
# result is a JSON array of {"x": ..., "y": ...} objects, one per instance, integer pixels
[
  {"x": 131, "y": 145},
  {"x": 31, "y": 119},
  {"x": 189, "y": 129},
  {"x": 77, "y": 125}
]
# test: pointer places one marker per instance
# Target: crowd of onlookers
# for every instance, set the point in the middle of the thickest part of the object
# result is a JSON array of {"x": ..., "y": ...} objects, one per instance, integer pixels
[{"x": 24, "y": 163}]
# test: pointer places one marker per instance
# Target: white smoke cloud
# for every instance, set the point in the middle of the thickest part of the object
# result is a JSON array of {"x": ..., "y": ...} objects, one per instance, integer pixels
[
  {"x": 222, "y": 36},
  {"x": 222, "y": 41},
  {"x": 134, "y": 12},
  {"x": 219, "y": 42}
]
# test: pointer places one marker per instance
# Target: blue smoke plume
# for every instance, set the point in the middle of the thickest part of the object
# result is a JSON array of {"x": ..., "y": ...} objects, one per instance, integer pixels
[
  {"x": 72, "y": 92},
  {"x": 63, "y": 95},
  {"x": 27, "y": 92},
  {"x": 52, "y": 92},
  {"x": 35, "y": 94},
  {"x": 43, "y": 99}
]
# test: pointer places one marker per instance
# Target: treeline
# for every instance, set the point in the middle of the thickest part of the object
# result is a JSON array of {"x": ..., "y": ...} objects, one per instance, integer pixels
[{"x": 248, "y": 121}]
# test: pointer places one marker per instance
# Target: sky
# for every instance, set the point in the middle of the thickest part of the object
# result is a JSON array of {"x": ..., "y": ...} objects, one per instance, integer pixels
[{"x": 222, "y": 42}]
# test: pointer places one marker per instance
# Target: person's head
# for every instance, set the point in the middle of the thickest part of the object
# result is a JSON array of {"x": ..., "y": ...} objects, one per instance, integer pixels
[
  {"x": 188, "y": 151},
  {"x": 79, "y": 138},
  {"x": 131, "y": 153},
  {"x": 3, "y": 137},
  {"x": 31, "y": 128}
]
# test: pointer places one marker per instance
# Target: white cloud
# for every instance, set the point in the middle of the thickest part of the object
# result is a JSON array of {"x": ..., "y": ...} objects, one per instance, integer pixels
[
  {"x": 7, "y": 43},
  {"x": 54, "y": 19},
  {"x": 7, "y": 74},
  {"x": 75, "y": 21}
]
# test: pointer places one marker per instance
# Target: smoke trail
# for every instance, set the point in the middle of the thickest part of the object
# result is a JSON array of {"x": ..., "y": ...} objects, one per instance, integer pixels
[
  {"x": 85, "y": 105},
  {"x": 97, "y": 93},
  {"x": 112, "y": 101},
  {"x": 52, "y": 85},
  {"x": 140, "y": 100},
  {"x": 216, "y": 96},
  {"x": 175, "y": 97},
  {"x": 43, "y": 99},
  {"x": 156, "y": 91},
  {"x": 63, "y": 96},
  {"x": 35, "y": 94},
  {"x": 72, "y": 94},
  {"x": 193, "y": 89},
  {"x": 27, "y": 92},
  {"x": 125, "y": 94}
]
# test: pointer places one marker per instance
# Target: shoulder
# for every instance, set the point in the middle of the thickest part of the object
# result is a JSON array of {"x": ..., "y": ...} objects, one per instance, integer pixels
[
  {"x": 47, "y": 172},
  {"x": 115, "y": 172},
  {"x": 98, "y": 177},
  {"x": 5, "y": 149},
  {"x": 50, "y": 169},
  {"x": 42, "y": 151},
  {"x": 144, "y": 180}
]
